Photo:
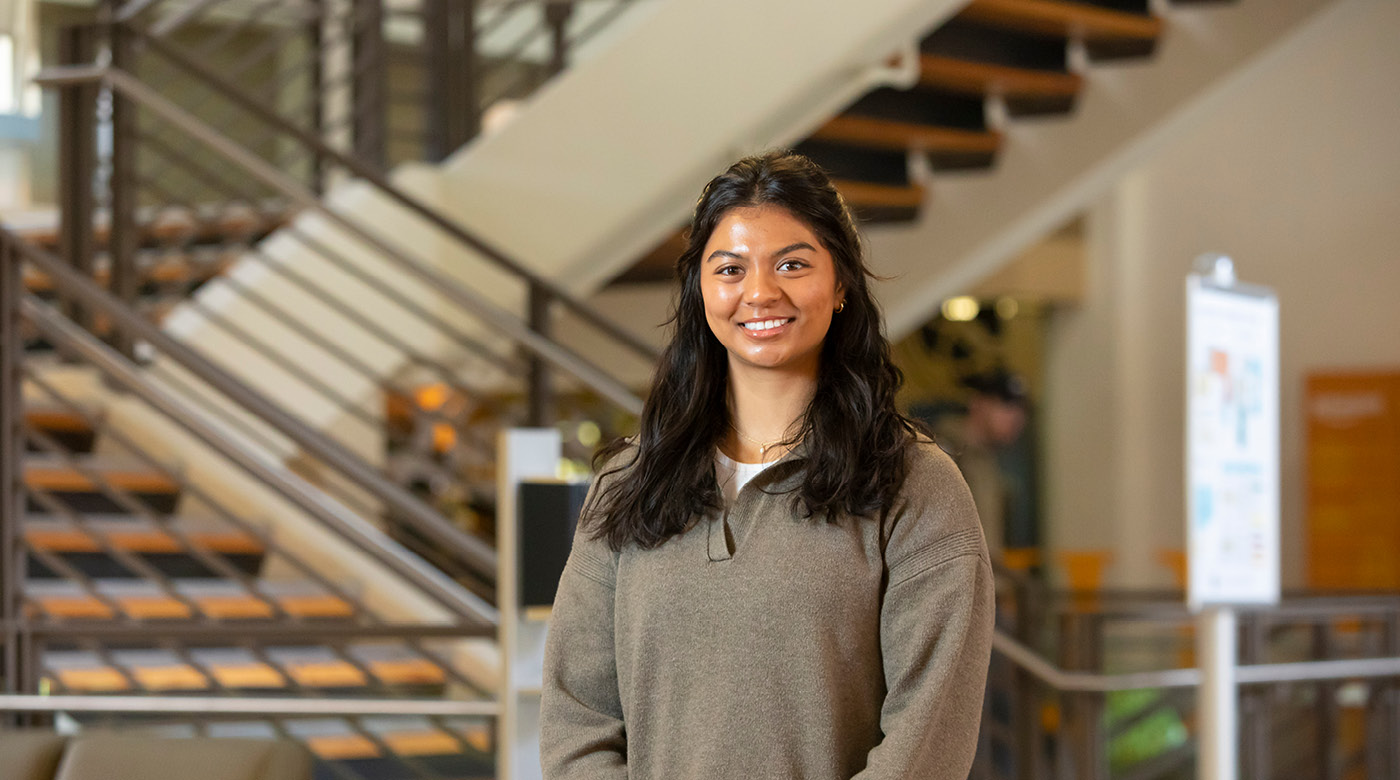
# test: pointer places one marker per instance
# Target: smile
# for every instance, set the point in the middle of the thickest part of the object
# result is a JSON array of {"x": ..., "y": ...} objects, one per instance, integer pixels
[{"x": 760, "y": 326}]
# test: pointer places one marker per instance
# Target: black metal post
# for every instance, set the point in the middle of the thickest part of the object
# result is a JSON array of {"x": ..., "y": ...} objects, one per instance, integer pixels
[
  {"x": 12, "y": 564},
  {"x": 368, "y": 80},
  {"x": 1325, "y": 707},
  {"x": 315, "y": 36},
  {"x": 77, "y": 161},
  {"x": 453, "y": 110},
  {"x": 1256, "y": 716},
  {"x": 1385, "y": 713},
  {"x": 123, "y": 239},
  {"x": 556, "y": 17},
  {"x": 541, "y": 392}
]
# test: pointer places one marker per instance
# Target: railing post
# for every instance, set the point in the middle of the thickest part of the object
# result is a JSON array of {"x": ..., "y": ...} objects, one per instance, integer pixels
[
  {"x": 367, "y": 79},
  {"x": 12, "y": 564},
  {"x": 540, "y": 390},
  {"x": 77, "y": 162},
  {"x": 316, "y": 37},
  {"x": 453, "y": 110},
  {"x": 122, "y": 238},
  {"x": 1325, "y": 706},
  {"x": 1384, "y": 714},
  {"x": 556, "y": 17},
  {"x": 1256, "y": 721}
]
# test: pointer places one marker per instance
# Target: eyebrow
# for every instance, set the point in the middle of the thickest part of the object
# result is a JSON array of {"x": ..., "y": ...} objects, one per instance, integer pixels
[{"x": 780, "y": 252}]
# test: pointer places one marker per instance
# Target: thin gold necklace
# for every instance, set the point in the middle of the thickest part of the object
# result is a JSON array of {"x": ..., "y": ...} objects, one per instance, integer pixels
[{"x": 762, "y": 446}]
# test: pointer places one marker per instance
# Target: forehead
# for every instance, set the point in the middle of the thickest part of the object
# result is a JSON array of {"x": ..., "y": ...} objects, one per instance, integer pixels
[{"x": 762, "y": 223}]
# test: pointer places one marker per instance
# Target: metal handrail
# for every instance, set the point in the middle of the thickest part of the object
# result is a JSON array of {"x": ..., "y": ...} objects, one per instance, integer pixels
[
  {"x": 348, "y": 525},
  {"x": 369, "y": 174},
  {"x": 488, "y": 312},
  {"x": 1246, "y": 674},
  {"x": 246, "y": 705}
]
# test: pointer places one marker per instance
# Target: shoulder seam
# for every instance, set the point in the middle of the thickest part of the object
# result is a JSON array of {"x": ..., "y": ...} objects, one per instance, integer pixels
[
  {"x": 595, "y": 571},
  {"x": 955, "y": 545}
]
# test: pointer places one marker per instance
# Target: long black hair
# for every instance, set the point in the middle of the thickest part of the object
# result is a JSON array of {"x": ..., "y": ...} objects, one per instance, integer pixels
[{"x": 853, "y": 435}]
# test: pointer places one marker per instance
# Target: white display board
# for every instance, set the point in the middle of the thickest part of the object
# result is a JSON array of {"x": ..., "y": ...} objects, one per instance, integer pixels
[{"x": 1232, "y": 443}]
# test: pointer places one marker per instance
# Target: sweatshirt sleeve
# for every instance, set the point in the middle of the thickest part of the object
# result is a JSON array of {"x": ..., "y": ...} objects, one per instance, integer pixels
[
  {"x": 581, "y": 730},
  {"x": 935, "y": 634}
]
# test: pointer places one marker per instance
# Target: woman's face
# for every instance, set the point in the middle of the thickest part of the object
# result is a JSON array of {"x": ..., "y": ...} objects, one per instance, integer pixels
[{"x": 770, "y": 290}]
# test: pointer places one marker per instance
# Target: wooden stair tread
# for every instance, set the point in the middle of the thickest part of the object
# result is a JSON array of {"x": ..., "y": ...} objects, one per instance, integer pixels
[
  {"x": 65, "y": 479},
  {"x": 984, "y": 78},
  {"x": 416, "y": 742},
  {"x": 164, "y": 272},
  {"x": 891, "y": 134},
  {"x": 161, "y": 606},
  {"x": 179, "y": 675},
  {"x": 864, "y": 194},
  {"x": 55, "y": 419},
  {"x": 73, "y": 540},
  {"x": 172, "y": 225},
  {"x": 1062, "y": 17}
]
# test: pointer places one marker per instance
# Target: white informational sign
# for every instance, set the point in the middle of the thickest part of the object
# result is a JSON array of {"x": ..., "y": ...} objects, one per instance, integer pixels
[{"x": 1232, "y": 443}]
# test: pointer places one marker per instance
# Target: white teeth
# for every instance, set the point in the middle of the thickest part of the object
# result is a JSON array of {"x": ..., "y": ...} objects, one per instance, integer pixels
[{"x": 765, "y": 324}]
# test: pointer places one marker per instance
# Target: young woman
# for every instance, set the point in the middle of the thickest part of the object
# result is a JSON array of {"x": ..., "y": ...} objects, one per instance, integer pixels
[{"x": 777, "y": 578}]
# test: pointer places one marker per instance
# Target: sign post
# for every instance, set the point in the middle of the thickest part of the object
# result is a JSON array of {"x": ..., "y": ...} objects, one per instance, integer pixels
[{"x": 1232, "y": 504}]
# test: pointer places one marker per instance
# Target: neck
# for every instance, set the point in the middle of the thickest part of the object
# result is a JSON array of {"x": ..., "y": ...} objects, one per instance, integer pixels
[{"x": 765, "y": 407}]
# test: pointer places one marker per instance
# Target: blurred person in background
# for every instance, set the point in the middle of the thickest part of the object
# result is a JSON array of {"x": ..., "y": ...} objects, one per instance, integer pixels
[
  {"x": 995, "y": 418},
  {"x": 779, "y": 577}
]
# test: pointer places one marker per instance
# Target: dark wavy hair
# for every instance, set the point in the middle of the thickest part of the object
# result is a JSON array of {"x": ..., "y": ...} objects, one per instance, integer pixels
[{"x": 855, "y": 438}]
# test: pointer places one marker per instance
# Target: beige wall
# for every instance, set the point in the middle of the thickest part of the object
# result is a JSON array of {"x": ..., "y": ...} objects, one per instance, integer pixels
[{"x": 1298, "y": 178}]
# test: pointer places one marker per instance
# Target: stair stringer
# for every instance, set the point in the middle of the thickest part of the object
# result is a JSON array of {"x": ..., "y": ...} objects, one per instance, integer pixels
[{"x": 1051, "y": 169}]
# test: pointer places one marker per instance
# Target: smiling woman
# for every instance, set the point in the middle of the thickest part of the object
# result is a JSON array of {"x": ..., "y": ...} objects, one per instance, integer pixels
[{"x": 779, "y": 576}]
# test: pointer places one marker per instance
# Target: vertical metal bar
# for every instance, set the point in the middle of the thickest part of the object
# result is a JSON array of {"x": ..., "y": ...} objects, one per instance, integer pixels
[
  {"x": 556, "y": 17},
  {"x": 315, "y": 36},
  {"x": 1256, "y": 717},
  {"x": 122, "y": 238},
  {"x": 1096, "y": 736},
  {"x": 540, "y": 389},
  {"x": 367, "y": 79},
  {"x": 1069, "y": 743},
  {"x": 453, "y": 111},
  {"x": 12, "y": 568},
  {"x": 1388, "y": 720},
  {"x": 1326, "y": 707},
  {"x": 77, "y": 161}
]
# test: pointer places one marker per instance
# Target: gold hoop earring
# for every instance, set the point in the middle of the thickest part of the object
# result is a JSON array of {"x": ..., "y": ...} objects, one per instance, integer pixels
[{"x": 840, "y": 307}]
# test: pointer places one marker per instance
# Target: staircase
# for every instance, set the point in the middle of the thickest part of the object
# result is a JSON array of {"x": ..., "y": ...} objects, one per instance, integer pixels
[
  {"x": 233, "y": 523},
  {"x": 131, "y": 596}
]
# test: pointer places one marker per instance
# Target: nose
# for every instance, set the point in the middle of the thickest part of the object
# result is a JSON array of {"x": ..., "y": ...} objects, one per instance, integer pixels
[{"x": 761, "y": 287}]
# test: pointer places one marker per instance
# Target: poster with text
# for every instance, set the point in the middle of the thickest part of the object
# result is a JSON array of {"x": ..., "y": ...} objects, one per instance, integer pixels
[{"x": 1232, "y": 447}]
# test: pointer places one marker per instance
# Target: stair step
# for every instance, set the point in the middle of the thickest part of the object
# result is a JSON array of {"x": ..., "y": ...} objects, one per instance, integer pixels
[
  {"x": 139, "y": 600},
  {"x": 167, "y": 270},
  {"x": 896, "y": 135},
  {"x": 68, "y": 427},
  {"x": 408, "y": 737},
  {"x": 156, "y": 671},
  {"x": 982, "y": 78},
  {"x": 171, "y": 226},
  {"x": 864, "y": 195},
  {"x": 1064, "y": 19},
  {"x": 66, "y": 479},
  {"x": 82, "y": 546},
  {"x": 75, "y": 489},
  {"x": 135, "y": 535}
]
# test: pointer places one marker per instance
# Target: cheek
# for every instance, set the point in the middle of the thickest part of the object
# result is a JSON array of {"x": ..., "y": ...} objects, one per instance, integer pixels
[{"x": 715, "y": 306}]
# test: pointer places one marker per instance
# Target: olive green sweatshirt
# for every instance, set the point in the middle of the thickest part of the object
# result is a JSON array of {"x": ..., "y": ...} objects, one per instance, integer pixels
[{"x": 761, "y": 644}]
